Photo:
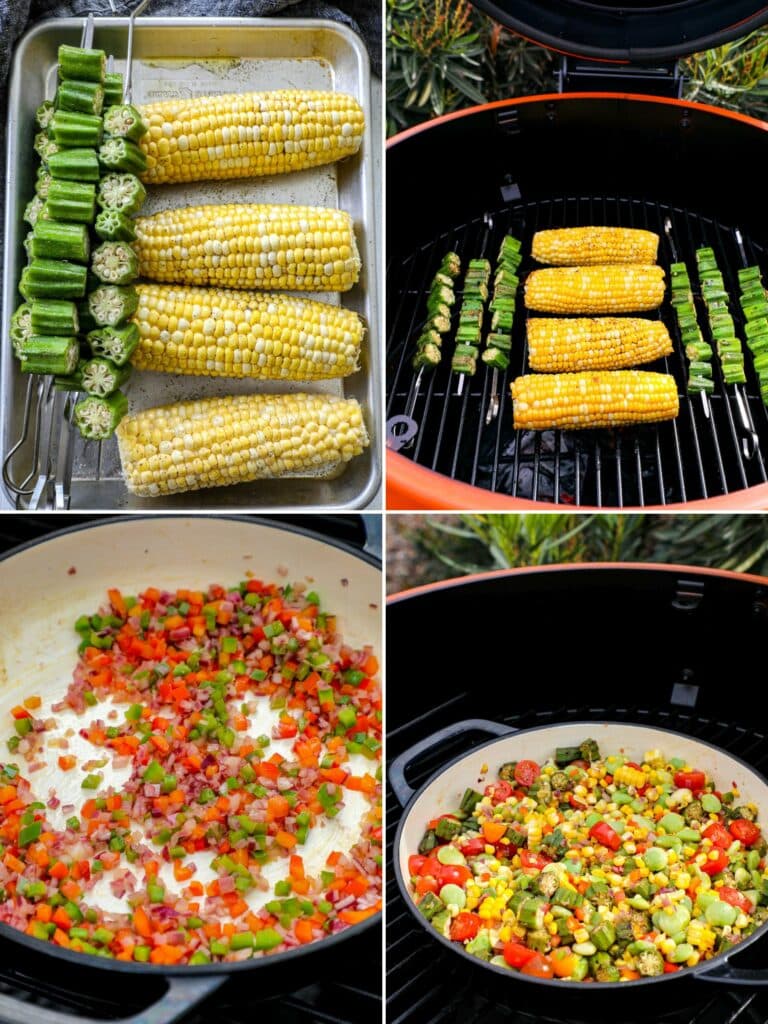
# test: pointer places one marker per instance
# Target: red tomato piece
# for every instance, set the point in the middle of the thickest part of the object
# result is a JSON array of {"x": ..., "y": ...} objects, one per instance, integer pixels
[
  {"x": 671, "y": 968},
  {"x": 453, "y": 874},
  {"x": 415, "y": 863},
  {"x": 538, "y": 967},
  {"x": 498, "y": 791},
  {"x": 517, "y": 955},
  {"x": 464, "y": 926},
  {"x": 718, "y": 834},
  {"x": 534, "y": 860},
  {"x": 605, "y": 835},
  {"x": 431, "y": 867},
  {"x": 426, "y": 884},
  {"x": 695, "y": 781},
  {"x": 737, "y": 899},
  {"x": 745, "y": 831},
  {"x": 714, "y": 867},
  {"x": 526, "y": 772},
  {"x": 472, "y": 847}
]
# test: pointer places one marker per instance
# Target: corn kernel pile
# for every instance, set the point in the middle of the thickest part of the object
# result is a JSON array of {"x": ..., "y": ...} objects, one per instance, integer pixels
[{"x": 591, "y": 868}]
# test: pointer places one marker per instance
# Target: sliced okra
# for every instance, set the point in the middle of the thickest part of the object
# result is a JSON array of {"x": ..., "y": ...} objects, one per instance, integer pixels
[
  {"x": 76, "y": 130},
  {"x": 124, "y": 121},
  {"x": 45, "y": 146},
  {"x": 49, "y": 354},
  {"x": 79, "y": 64},
  {"x": 80, "y": 97},
  {"x": 113, "y": 88},
  {"x": 53, "y": 279},
  {"x": 97, "y": 418},
  {"x": 75, "y": 165},
  {"x": 496, "y": 358},
  {"x": 55, "y": 240},
  {"x": 54, "y": 316},
  {"x": 44, "y": 113},
  {"x": 426, "y": 355},
  {"x": 115, "y": 263},
  {"x": 113, "y": 226},
  {"x": 101, "y": 376},
  {"x": 21, "y": 326},
  {"x": 115, "y": 343},
  {"x": 122, "y": 155},
  {"x": 109, "y": 305},
  {"x": 43, "y": 182},
  {"x": 123, "y": 192},
  {"x": 72, "y": 201}
]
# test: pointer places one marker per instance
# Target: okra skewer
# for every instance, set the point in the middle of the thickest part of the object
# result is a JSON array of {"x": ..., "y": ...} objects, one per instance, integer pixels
[
  {"x": 468, "y": 333},
  {"x": 505, "y": 287},
  {"x": 688, "y": 323},
  {"x": 440, "y": 300}
]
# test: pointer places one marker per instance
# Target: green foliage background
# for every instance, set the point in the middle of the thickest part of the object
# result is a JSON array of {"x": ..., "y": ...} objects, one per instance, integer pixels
[{"x": 443, "y": 55}]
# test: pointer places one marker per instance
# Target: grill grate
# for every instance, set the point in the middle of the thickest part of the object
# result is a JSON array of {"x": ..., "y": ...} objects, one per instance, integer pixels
[
  {"x": 428, "y": 985},
  {"x": 693, "y": 457}
]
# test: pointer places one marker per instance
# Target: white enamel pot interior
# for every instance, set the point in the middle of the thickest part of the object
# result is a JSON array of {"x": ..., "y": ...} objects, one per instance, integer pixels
[
  {"x": 442, "y": 794},
  {"x": 45, "y": 586}
]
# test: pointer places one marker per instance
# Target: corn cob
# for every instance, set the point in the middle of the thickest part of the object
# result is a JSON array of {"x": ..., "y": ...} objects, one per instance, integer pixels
[
  {"x": 248, "y": 134},
  {"x": 575, "y": 401},
  {"x": 240, "y": 334},
  {"x": 599, "y": 343},
  {"x": 598, "y": 289},
  {"x": 302, "y": 248},
  {"x": 581, "y": 247},
  {"x": 214, "y": 442}
]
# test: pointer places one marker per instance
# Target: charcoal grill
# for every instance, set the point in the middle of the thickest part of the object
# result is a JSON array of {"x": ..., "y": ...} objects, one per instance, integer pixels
[
  {"x": 618, "y": 157},
  {"x": 641, "y": 609}
]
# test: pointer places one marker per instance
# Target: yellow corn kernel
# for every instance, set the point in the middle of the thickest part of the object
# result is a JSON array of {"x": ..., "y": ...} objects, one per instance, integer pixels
[
  {"x": 581, "y": 935},
  {"x": 582, "y": 246},
  {"x": 628, "y": 776},
  {"x": 248, "y": 134},
  {"x": 598, "y": 289},
  {"x": 505, "y": 934},
  {"x": 298, "y": 248},
  {"x": 219, "y": 441},
  {"x": 575, "y": 401}
]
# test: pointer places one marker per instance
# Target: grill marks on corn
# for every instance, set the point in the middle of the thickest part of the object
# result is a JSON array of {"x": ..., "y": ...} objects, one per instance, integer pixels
[
  {"x": 223, "y": 333},
  {"x": 214, "y": 442},
  {"x": 248, "y": 134},
  {"x": 297, "y": 248},
  {"x": 595, "y": 343}
]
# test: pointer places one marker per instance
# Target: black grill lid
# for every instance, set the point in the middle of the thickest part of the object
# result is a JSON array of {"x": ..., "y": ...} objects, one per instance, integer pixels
[{"x": 641, "y": 31}]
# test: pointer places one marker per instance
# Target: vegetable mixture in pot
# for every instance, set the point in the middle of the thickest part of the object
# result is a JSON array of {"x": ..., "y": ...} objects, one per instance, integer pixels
[
  {"x": 218, "y": 791},
  {"x": 592, "y": 868}
]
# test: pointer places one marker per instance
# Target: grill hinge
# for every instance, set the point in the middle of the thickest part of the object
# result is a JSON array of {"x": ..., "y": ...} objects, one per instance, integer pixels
[
  {"x": 662, "y": 79},
  {"x": 688, "y": 595}
]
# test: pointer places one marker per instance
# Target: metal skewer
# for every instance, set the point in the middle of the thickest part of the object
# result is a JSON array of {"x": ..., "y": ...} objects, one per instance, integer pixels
[
  {"x": 749, "y": 441},
  {"x": 705, "y": 407}
]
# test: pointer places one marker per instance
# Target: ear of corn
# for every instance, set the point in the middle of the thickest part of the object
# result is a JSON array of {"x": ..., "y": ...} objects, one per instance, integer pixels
[
  {"x": 581, "y": 247},
  {"x": 299, "y": 248},
  {"x": 594, "y": 343},
  {"x": 214, "y": 442},
  {"x": 222, "y": 333},
  {"x": 248, "y": 134},
  {"x": 574, "y": 401},
  {"x": 598, "y": 289}
]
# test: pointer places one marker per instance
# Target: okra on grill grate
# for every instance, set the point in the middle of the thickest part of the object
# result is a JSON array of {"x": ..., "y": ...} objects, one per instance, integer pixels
[
  {"x": 505, "y": 283},
  {"x": 721, "y": 323},
  {"x": 468, "y": 333},
  {"x": 440, "y": 299},
  {"x": 696, "y": 349},
  {"x": 754, "y": 306}
]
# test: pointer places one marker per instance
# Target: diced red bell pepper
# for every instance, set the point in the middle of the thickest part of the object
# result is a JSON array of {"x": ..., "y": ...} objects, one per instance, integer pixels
[{"x": 604, "y": 834}]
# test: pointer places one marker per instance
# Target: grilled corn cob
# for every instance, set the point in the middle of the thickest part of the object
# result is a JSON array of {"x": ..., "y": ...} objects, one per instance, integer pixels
[
  {"x": 301, "y": 248},
  {"x": 581, "y": 247},
  {"x": 597, "y": 343},
  {"x": 595, "y": 289},
  {"x": 574, "y": 401},
  {"x": 218, "y": 441},
  {"x": 248, "y": 134},
  {"x": 223, "y": 333}
]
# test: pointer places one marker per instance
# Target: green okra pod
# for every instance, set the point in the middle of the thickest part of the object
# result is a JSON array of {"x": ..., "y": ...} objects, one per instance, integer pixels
[
  {"x": 97, "y": 418},
  {"x": 75, "y": 165},
  {"x": 54, "y": 240},
  {"x": 113, "y": 88},
  {"x": 109, "y": 305},
  {"x": 45, "y": 146},
  {"x": 101, "y": 376},
  {"x": 76, "y": 130},
  {"x": 113, "y": 226},
  {"x": 115, "y": 263},
  {"x": 115, "y": 343},
  {"x": 79, "y": 64},
  {"x": 53, "y": 279},
  {"x": 426, "y": 355},
  {"x": 122, "y": 155},
  {"x": 124, "y": 121},
  {"x": 80, "y": 97},
  {"x": 49, "y": 354},
  {"x": 72, "y": 201},
  {"x": 123, "y": 192},
  {"x": 54, "y": 316},
  {"x": 495, "y": 357}
]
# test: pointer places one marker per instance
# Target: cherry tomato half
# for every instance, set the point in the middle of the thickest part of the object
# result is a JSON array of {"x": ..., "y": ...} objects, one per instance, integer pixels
[
  {"x": 498, "y": 791},
  {"x": 538, "y": 967},
  {"x": 431, "y": 866},
  {"x": 426, "y": 884},
  {"x": 745, "y": 831},
  {"x": 718, "y": 834},
  {"x": 526, "y": 772},
  {"x": 464, "y": 926},
  {"x": 737, "y": 899},
  {"x": 714, "y": 867},
  {"x": 534, "y": 860},
  {"x": 415, "y": 863},
  {"x": 517, "y": 954},
  {"x": 695, "y": 781},
  {"x": 473, "y": 847},
  {"x": 453, "y": 874}
]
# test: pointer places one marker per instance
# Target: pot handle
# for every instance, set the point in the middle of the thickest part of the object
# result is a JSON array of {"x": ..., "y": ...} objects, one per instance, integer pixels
[
  {"x": 180, "y": 997},
  {"x": 401, "y": 764},
  {"x": 724, "y": 974}
]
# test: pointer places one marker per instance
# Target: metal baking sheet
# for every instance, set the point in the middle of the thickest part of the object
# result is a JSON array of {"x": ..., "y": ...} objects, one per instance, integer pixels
[{"x": 201, "y": 56}]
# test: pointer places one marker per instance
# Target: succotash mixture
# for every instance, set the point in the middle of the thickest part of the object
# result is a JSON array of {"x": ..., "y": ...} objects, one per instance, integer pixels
[
  {"x": 173, "y": 685},
  {"x": 595, "y": 869}
]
